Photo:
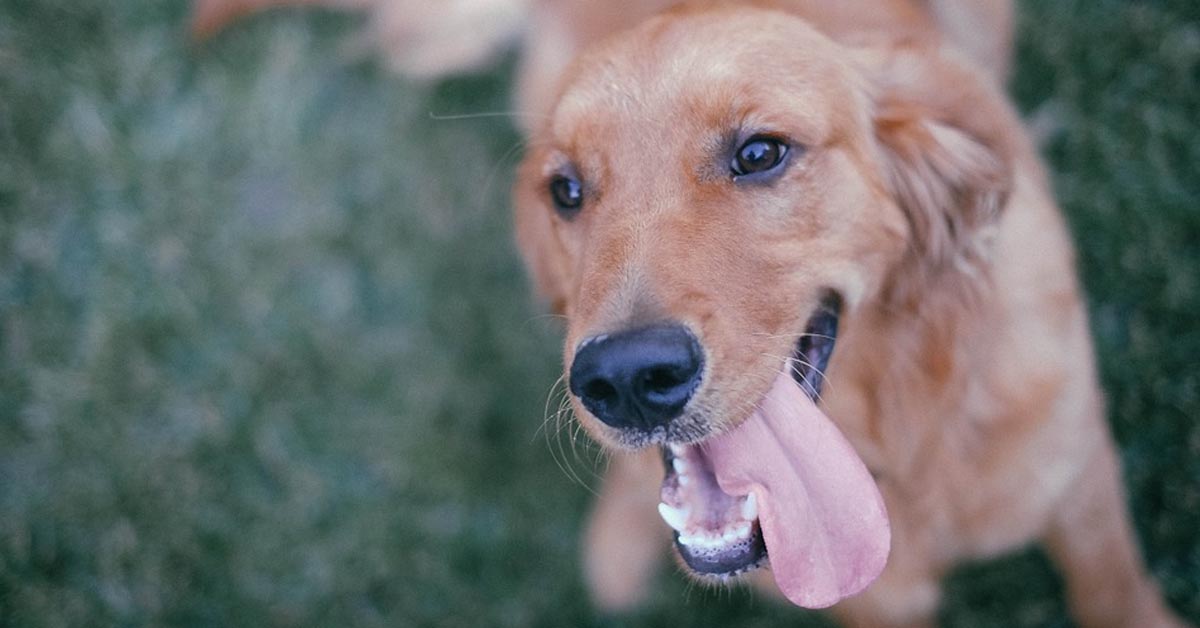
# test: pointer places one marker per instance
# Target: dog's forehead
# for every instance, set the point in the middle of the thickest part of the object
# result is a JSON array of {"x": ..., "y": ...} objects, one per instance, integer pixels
[{"x": 694, "y": 72}]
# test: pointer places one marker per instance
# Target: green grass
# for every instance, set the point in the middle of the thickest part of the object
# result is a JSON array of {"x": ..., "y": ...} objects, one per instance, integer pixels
[{"x": 267, "y": 357}]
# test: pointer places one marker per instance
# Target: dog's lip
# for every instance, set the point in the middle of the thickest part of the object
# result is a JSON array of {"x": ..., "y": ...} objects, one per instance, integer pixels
[
  {"x": 720, "y": 536},
  {"x": 813, "y": 349}
]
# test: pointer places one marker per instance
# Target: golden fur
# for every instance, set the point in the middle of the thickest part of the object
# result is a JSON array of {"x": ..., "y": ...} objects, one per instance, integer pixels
[
  {"x": 964, "y": 373},
  {"x": 964, "y": 377}
]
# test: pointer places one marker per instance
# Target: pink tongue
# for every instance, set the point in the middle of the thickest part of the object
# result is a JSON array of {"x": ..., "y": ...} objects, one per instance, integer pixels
[{"x": 822, "y": 518}]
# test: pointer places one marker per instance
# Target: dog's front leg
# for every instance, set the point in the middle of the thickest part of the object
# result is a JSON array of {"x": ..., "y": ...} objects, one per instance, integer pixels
[
  {"x": 1092, "y": 541},
  {"x": 625, "y": 538}
]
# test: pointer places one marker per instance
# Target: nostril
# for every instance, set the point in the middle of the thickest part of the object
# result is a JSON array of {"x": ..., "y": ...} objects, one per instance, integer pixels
[
  {"x": 601, "y": 391},
  {"x": 664, "y": 379},
  {"x": 665, "y": 389}
]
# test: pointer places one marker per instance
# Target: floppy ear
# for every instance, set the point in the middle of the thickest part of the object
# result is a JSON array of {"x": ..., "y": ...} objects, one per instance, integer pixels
[
  {"x": 947, "y": 141},
  {"x": 536, "y": 238}
]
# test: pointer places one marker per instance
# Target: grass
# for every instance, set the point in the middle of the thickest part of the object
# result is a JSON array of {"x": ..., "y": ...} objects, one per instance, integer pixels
[{"x": 267, "y": 357}]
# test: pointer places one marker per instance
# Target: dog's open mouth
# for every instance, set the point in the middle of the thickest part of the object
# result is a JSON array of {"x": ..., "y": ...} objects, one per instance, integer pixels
[
  {"x": 716, "y": 534},
  {"x": 783, "y": 485}
]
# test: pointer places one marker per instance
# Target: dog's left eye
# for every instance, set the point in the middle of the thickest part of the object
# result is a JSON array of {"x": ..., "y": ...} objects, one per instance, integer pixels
[
  {"x": 567, "y": 193},
  {"x": 758, "y": 154}
]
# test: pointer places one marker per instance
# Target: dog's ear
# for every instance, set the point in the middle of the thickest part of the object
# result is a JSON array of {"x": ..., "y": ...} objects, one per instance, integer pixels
[
  {"x": 946, "y": 141},
  {"x": 536, "y": 238}
]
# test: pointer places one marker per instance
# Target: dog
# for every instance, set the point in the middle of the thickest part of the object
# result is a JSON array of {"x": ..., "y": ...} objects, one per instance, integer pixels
[{"x": 810, "y": 264}]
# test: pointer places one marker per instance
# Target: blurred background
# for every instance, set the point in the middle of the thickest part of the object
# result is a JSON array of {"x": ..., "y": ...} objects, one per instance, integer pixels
[{"x": 267, "y": 356}]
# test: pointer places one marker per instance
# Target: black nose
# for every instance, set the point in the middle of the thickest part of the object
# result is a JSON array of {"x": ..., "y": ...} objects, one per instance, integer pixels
[{"x": 640, "y": 378}]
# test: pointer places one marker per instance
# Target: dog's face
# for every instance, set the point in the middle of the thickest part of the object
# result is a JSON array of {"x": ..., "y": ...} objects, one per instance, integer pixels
[
  {"x": 710, "y": 191},
  {"x": 714, "y": 192}
]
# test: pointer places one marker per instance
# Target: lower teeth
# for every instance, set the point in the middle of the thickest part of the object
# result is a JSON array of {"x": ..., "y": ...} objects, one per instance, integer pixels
[
  {"x": 741, "y": 512},
  {"x": 731, "y": 535}
]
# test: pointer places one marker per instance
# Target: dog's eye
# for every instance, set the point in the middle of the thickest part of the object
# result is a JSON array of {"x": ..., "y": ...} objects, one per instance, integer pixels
[
  {"x": 758, "y": 154},
  {"x": 567, "y": 193}
]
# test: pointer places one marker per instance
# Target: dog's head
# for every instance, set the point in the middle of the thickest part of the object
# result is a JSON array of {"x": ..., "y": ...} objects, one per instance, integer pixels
[{"x": 712, "y": 191}]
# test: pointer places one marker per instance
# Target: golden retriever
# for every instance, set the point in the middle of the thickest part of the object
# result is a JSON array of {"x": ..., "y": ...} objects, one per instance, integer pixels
[{"x": 808, "y": 259}]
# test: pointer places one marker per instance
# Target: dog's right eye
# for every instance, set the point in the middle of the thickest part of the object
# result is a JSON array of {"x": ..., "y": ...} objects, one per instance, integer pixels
[
  {"x": 758, "y": 155},
  {"x": 567, "y": 194}
]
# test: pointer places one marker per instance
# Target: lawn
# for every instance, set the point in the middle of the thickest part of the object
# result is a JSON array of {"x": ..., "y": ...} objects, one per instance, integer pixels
[{"x": 268, "y": 358}]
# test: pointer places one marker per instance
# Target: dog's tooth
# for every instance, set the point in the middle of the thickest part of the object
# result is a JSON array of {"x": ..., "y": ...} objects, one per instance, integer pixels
[
  {"x": 730, "y": 535},
  {"x": 677, "y": 450},
  {"x": 750, "y": 508},
  {"x": 675, "y": 517},
  {"x": 686, "y": 540},
  {"x": 743, "y": 530},
  {"x": 680, "y": 465},
  {"x": 683, "y": 480}
]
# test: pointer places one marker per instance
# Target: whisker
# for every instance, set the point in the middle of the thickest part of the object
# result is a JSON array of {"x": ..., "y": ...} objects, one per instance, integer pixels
[
  {"x": 550, "y": 396},
  {"x": 443, "y": 117},
  {"x": 539, "y": 317},
  {"x": 546, "y": 409},
  {"x": 791, "y": 365},
  {"x": 807, "y": 334},
  {"x": 562, "y": 466},
  {"x": 587, "y": 444},
  {"x": 555, "y": 447},
  {"x": 485, "y": 189},
  {"x": 572, "y": 427}
]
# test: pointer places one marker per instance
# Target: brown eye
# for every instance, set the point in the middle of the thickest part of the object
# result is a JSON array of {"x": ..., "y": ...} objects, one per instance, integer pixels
[
  {"x": 567, "y": 194},
  {"x": 758, "y": 154}
]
